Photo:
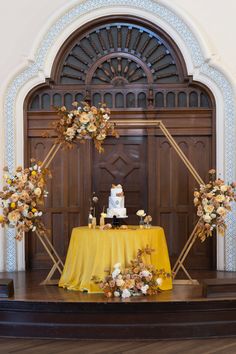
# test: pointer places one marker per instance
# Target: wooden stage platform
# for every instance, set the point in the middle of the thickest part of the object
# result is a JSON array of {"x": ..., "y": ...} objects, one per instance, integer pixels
[{"x": 52, "y": 312}]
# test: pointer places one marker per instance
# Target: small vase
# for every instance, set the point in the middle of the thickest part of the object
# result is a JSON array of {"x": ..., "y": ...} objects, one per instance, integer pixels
[
  {"x": 147, "y": 225},
  {"x": 94, "y": 223},
  {"x": 141, "y": 223},
  {"x": 90, "y": 221},
  {"x": 102, "y": 221}
]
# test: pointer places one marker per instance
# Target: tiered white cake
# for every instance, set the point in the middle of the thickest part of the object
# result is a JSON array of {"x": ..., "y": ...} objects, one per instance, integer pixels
[{"x": 116, "y": 202}]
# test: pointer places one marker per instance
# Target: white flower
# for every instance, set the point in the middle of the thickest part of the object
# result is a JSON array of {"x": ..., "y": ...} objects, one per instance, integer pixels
[
  {"x": 31, "y": 186},
  {"x": 213, "y": 216},
  {"x": 70, "y": 132},
  {"x": 207, "y": 218},
  {"x": 126, "y": 293},
  {"x": 33, "y": 228},
  {"x": 35, "y": 167},
  {"x": 116, "y": 294},
  {"x": 115, "y": 273},
  {"x": 117, "y": 265},
  {"x": 140, "y": 212},
  {"x": 159, "y": 281},
  {"x": 37, "y": 191},
  {"x": 106, "y": 116},
  {"x": 40, "y": 213},
  {"x": 144, "y": 289},
  {"x": 145, "y": 273}
]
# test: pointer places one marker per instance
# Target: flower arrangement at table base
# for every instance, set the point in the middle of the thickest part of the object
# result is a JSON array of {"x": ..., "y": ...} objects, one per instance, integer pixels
[{"x": 137, "y": 279}]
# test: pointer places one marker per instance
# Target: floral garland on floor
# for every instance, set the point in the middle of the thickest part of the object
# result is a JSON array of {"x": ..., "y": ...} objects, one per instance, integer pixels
[
  {"x": 23, "y": 197},
  {"x": 83, "y": 123},
  {"x": 138, "y": 279},
  {"x": 213, "y": 204}
]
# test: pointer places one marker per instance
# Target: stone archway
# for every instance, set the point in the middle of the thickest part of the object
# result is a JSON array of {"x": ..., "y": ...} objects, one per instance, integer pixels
[{"x": 38, "y": 70}]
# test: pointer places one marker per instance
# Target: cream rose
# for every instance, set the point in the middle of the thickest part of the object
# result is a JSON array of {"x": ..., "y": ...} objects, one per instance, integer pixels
[
  {"x": 126, "y": 293},
  {"x": 209, "y": 208},
  {"x": 144, "y": 289},
  {"x": 106, "y": 116},
  {"x": 220, "y": 198},
  {"x": 195, "y": 201},
  {"x": 224, "y": 188},
  {"x": 38, "y": 191},
  {"x": 14, "y": 216},
  {"x": 221, "y": 211},
  {"x": 92, "y": 127},
  {"x": 70, "y": 132},
  {"x": 101, "y": 136},
  {"x": 140, "y": 213},
  {"x": 207, "y": 218},
  {"x": 14, "y": 197},
  {"x": 159, "y": 281},
  {"x": 84, "y": 118},
  {"x": 120, "y": 282}
]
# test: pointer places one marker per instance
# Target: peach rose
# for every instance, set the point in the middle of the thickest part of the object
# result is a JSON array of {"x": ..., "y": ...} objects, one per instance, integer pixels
[
  {"x": 220, "y": 198},
  {"x": 209, "y": 208},
  {"x": 37, "y": 192},
  {"x": 221, "y": 211},
  {"x": 14, "y": 216},
  {"x": 84, "y": 118},
  {"x": 92, "y": 127}
]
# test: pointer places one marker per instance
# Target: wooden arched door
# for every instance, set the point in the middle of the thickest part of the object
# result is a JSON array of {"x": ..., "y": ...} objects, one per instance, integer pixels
[{"x": 140, "y": 73}]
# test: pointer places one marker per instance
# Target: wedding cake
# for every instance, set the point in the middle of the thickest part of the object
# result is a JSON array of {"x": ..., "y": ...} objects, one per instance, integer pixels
[{"x": 116, "y": 202}]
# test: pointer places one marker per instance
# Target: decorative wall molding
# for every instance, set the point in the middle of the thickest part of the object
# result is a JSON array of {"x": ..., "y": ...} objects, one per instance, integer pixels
[{"x": 197, "y": 64}]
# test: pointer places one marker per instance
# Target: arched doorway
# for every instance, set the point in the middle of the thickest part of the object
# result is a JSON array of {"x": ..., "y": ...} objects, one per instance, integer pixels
[{"x": 139, "y": 72}]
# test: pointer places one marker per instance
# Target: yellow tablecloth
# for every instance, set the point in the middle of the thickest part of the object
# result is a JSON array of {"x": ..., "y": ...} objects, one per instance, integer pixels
[{"x": 91, "y": 252}]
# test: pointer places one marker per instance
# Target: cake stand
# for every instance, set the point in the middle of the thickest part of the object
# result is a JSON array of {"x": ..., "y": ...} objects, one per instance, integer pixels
[{"x": 116, "y": 220}]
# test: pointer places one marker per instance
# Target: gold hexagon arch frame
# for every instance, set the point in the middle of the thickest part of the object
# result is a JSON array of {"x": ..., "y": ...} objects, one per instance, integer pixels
[{"x": 57, "y": 262}]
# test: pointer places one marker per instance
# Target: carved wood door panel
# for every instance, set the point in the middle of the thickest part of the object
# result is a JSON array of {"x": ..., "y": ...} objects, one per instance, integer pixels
[
  {"x": 174, "y": 198},
  {"x": 67, "y": 202},
  {"x": 124, "y": 162}
]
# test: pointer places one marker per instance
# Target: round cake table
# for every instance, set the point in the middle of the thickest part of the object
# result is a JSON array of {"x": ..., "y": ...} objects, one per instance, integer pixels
[{"x": 93, "y": 252}]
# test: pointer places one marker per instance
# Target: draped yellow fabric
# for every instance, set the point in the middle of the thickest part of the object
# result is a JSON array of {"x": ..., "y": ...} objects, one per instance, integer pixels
[{"x": 93, "y": 252}]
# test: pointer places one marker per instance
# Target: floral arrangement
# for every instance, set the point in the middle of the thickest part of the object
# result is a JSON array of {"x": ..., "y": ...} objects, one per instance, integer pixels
[
  {"x": 213, "y": 203},
  {"x": 82, "y": 123},
  {"x": 138, "y": 279},
  {"x": 22, "y": 198}
]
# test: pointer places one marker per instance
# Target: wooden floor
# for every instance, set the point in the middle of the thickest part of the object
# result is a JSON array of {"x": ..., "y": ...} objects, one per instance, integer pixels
[
  {"x": 200, "y": 346},
  {"x": 49, "y": 312},
  {"x": 27, "y": 288}
]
